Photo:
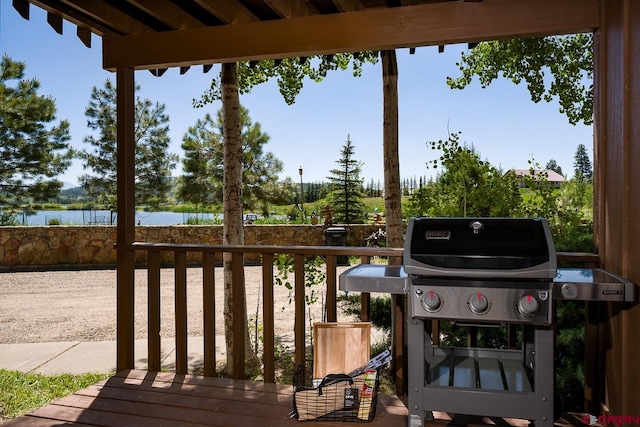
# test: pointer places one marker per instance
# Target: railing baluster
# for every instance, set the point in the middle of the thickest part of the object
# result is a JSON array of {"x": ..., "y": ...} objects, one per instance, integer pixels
[
  {"x": 365, "y": 302},
  {"x": 209, "y": 310},
  {"x": 268, "y": 324},
  {"x": 299, "y": 291},
  {"x": 181, "y": 311},
  {"x": 153, "y": 311},
  {"x": 332, "y": 289},
  {"x": 239, "y": 315}
]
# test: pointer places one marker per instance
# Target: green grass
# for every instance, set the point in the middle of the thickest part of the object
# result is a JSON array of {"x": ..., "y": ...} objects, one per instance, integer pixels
[{"x": 23, "y": 392}]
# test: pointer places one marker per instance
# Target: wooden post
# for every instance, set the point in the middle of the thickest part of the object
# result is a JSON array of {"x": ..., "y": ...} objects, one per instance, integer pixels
[
  {"x": 125, "y": 234},
  {"x": 616, "y": 189}
]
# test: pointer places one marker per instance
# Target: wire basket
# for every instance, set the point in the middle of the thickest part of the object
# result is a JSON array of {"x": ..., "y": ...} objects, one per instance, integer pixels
[{"x": 336, "y": 397}]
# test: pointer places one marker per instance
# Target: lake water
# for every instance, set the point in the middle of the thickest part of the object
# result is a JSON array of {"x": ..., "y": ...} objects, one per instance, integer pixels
[{"x": 103, "y": 217}]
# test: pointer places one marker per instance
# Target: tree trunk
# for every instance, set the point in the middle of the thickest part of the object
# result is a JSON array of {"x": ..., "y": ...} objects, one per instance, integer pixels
[
  {"x": 392, "y": 194},
  {"x": 392, "y": 203},
  {"x": 232, "y": 229}
]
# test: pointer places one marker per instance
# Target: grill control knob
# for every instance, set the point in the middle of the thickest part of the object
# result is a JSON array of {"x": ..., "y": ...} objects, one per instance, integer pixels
[
  {"x": 431, "y": 301},
  {"x": 569, "y": 291},
  {"x": 528, "y": 305},
  {"x": 478, "y": 303}
]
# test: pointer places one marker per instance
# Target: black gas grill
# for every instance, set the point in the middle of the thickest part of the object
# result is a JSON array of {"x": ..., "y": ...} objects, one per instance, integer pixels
[{"x": 483, "y": 272}]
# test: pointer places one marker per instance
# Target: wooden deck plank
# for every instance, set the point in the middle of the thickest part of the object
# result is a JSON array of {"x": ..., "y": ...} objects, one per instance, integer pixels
[
  {"x": 174, "y": 408},
  {"x": 29, "y": 421},
  {"x": 169, "y": 377},
  {"x": 99, "y": 418},
  {"x": 176, "y": 402}
]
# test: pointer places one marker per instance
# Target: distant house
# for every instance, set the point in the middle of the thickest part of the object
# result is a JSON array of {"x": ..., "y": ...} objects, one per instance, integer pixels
[{"x": 552, "y": 177}]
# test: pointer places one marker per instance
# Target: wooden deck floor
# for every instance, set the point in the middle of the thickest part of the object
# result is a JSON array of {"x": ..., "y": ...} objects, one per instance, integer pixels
[{"x": 140, "y": 398}]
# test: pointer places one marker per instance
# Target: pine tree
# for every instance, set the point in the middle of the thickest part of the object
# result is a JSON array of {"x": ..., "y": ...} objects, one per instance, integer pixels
[
  {"x": 552, "y": 165},
  {"x": 153, "y": 160},
  {"x": 203, "y": 178},
  {"x": 583, "y": 170},
  {"x": 32, "y": 150},
  {"x": 346, "y": 195},
  {"x": 195, "y": 185}
]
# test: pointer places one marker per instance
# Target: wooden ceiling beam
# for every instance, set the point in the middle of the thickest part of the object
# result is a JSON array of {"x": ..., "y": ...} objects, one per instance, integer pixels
[
  {"x": 76, "y": 16},
  {"x": 371, "y": 29},
  {"x": 104, "y": 12},
  {"x": 348, "y": 5},
  {"x": 229, "y": 11},
  {"x": 22, "y": 7},
  {"x": 55, "y": 21},
  {"x": 289, "y": 8},
  {"x": 84, "y": 35},
  {"x": 168, "y": 13}
]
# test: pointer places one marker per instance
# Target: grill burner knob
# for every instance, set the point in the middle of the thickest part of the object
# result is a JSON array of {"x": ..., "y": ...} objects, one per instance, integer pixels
[
  {"x": 431, "y": 301},
  {"x": 528, "y": 306},
  {"x": 478, "y": 303}
]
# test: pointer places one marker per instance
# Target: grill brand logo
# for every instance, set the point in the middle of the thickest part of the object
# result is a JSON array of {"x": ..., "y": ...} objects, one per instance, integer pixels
[
  {"x": 615, "y": 420},
  {"x": 543, "y": 295},
  {"x": 476, "y": 226},
  {"x": 438, "y": 235}
]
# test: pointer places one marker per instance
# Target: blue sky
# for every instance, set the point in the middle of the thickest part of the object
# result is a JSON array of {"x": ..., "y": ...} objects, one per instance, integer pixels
[{"x": 501, "y": 121}]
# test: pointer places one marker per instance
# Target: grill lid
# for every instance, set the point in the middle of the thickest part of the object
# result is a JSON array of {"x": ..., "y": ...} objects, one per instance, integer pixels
[{"x": 480, "y": 248}]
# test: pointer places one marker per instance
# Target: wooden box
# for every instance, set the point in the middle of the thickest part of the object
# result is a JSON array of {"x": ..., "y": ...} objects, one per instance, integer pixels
[{"x": 340, "y": 347}]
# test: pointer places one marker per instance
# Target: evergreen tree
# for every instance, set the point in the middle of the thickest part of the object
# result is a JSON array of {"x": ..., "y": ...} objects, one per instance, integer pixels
[
  {"x": 583, "y": 171},
  {"x": 195, "y": 185},
  {"x": 32, "y": 150},
  {"x": 153, "y": 162},
  {"x": 203, "y": 163},
  {"x": 346, "y": 195},
  {"x": 552, "y": 165}
]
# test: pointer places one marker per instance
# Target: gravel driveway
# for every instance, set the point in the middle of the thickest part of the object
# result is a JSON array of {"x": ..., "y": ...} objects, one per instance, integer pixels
[{"x": 61, "y": 306}]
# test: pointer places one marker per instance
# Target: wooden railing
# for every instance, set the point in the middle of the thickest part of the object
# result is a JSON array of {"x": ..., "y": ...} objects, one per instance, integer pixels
[{"x": 211, "y": 253}]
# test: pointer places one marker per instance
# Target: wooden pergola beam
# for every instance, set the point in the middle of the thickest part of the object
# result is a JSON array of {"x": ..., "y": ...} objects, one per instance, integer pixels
[
  {"x": 375, "y": 29},
  {"x": 72, "y": 15}
]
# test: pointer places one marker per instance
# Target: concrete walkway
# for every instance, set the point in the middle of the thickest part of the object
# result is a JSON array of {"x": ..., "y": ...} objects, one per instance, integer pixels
[{"x": 81, "y": 357}]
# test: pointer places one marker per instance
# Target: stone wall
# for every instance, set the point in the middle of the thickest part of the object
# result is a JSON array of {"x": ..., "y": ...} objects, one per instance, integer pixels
[{"x": 93, "y": 246}]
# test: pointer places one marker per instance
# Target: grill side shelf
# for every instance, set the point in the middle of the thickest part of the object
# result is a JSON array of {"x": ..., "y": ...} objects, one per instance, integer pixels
[
  {"x": 389, "y": 279},
  {"x": 592, "y": 284}
]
